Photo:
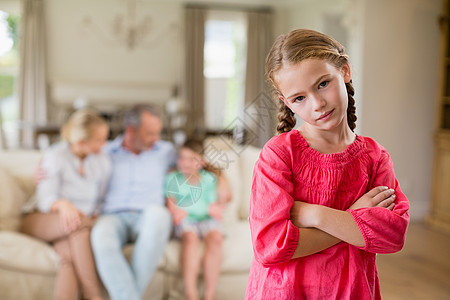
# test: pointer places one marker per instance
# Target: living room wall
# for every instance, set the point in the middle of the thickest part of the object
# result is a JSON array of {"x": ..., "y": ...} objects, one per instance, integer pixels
[
  {"x": 82, "y": 44},
  {"x": 84, "y": 48},
  {"x": 400, "y": 80}
]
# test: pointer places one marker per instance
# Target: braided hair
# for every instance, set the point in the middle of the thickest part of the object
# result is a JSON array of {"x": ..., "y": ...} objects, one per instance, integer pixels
[
  {"x": 285, "y": 117},
  {"x": 294, "y": 47}
]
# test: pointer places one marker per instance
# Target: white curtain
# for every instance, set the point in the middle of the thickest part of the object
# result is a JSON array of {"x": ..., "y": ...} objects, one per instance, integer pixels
[
  {"x": 195, "y": 95},
  {"x": 260, "y": 109},
  {"x": 32, "y": 81}
]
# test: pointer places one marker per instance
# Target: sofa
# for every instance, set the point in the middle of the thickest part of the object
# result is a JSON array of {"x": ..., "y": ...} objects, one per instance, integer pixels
[{"x": 28, "y": 266}]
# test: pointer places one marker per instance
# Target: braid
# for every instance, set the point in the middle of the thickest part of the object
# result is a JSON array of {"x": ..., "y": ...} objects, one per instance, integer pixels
[
  {"x": 286, "y": 118},
  {"x": 351, "y": 109}
]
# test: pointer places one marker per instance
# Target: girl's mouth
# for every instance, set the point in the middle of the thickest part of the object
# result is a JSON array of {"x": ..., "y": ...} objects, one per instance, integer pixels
[{"x": 325, "y": 116}]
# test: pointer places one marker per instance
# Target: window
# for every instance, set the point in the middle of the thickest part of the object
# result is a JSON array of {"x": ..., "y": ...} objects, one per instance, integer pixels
[
  {"x": 9, "y": 71},
  {"x": 224, "y": 67}
]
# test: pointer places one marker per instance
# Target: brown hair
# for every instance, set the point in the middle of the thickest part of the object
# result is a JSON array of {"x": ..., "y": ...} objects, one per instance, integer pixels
[
  {"x": 81, "y": 125},
  {"x": 197, "y": 147},
  {"x": 133, "y": 116},
  {"x": 296, "y": 46}
]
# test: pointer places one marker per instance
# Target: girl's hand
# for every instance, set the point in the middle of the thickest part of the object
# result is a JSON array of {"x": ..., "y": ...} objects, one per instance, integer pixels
[
  {"x": 215, "y": 210},
  {"x": 224, "y": 194},
  {"x": 70, "y": 216},
  {"x": 303, "y": 214},
  {"x": 178, "y": 214},
  {"x": 379, "y": 196}
]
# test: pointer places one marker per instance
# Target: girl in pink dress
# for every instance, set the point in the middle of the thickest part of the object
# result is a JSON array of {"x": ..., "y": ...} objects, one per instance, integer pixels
[{"x": 324, "y": 200}]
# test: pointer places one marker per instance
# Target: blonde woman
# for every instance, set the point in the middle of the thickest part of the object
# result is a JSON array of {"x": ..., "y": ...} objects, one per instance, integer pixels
[{"x": 68, "y": 198}]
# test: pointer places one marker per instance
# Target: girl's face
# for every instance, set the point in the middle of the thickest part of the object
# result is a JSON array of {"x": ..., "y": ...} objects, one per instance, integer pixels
[
  {"x": 189, "y": 162},
  {"x": 315, "y": 90},
  {"x": 97, "y": 140}
]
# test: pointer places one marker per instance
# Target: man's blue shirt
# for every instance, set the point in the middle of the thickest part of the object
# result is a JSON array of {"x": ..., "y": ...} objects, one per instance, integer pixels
[{"x": 137, "y": 180}]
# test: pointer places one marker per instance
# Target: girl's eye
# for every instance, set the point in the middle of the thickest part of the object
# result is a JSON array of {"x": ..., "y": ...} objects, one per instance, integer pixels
[
  {"x": 299, "y": 99},
  {"x": 323, "y": 84}
]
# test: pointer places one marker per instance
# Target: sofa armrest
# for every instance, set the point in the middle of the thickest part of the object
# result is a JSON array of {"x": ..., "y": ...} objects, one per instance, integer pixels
[{"x": 22, "y": 253}]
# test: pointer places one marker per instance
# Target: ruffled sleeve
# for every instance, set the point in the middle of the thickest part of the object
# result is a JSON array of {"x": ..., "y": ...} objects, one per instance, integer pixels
[
  {"x": 274, "y": 236},
  {"x": 384, "y": 231}
]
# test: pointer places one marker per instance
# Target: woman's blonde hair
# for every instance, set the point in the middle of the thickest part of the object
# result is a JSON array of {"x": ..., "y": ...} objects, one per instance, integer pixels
[
  {"x": 81, "y": 125},
  {"x": 294, "y": 47}
]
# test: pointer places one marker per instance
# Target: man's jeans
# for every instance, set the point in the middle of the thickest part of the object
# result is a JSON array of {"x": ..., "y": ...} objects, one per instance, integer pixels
[{"x": 149, "y": 229}]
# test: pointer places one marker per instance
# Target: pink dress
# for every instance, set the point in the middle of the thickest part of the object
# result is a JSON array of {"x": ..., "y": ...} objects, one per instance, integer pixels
[{"x": 289, "y": 170}]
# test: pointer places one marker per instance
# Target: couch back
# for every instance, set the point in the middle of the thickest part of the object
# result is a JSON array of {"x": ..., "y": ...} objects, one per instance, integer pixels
[
  {"x": 237, "y": 162},
  {"x": 16, "y": 184},
  {"x": 17, "y": 168}
]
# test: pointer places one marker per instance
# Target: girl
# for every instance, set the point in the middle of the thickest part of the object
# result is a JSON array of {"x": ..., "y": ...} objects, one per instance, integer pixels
[
  {"x": 196, "y": 194},
  {"x": 76, "y": 178},
  {"x": 324, "y": 200}
]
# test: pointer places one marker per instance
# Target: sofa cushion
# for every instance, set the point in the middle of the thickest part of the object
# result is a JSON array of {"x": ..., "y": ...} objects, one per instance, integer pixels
[
  {"x": 248, "y": 160},
  {"x": 21, "y": 164},
  {"x": 237, "y": 248},
  {"x": 32, "y": 255},
  {"x": 12, "y": 197},
  {"x": 233, "y": 174}
]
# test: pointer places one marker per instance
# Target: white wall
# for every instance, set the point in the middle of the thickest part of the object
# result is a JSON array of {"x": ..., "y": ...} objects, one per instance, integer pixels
[
  {"x": 81, "y": 53},
  {"x": 400, "y": 57}
]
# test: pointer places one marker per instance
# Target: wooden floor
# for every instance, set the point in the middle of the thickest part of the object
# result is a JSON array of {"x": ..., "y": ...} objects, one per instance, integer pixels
[{"x": 421, "y": 271}]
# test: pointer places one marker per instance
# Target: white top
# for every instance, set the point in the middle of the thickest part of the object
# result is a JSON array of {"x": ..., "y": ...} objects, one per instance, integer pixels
[{"x": 65, "y": 182}]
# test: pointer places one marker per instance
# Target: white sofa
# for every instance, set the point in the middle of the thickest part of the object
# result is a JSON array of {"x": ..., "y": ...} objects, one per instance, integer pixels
[{"x": 28, "y": 266}]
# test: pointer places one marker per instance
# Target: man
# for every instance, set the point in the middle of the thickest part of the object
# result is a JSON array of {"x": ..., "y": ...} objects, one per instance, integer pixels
[{"x": 133, "y": 209}]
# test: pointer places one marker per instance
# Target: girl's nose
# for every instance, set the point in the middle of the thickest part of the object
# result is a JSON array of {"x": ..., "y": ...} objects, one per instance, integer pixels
[{"x": 317, "y": 102}]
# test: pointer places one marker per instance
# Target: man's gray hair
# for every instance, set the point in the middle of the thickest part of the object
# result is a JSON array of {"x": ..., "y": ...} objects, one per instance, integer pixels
[{"x": 133, "y": 116}]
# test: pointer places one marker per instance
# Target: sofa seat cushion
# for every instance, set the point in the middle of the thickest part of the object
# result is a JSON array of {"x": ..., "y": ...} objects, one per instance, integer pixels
[
  {"x": 237, "y": 251},
  {"x": 248, "y": 160},
  {"x": 22, "y": 253}
]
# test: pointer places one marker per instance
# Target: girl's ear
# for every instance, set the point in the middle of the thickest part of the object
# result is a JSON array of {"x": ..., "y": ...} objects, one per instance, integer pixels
[
  {"x": 286, "y": 103},
  {"x": 346, "y": 72},
  {"x": 282, "y": 99}
]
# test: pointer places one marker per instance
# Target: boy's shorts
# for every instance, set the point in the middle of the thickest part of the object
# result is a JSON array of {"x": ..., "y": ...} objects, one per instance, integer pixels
[{"x": 201, "y": 228}]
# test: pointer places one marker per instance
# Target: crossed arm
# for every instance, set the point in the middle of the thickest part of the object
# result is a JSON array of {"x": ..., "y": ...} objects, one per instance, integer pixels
[{"x": 321, "y": 227}]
